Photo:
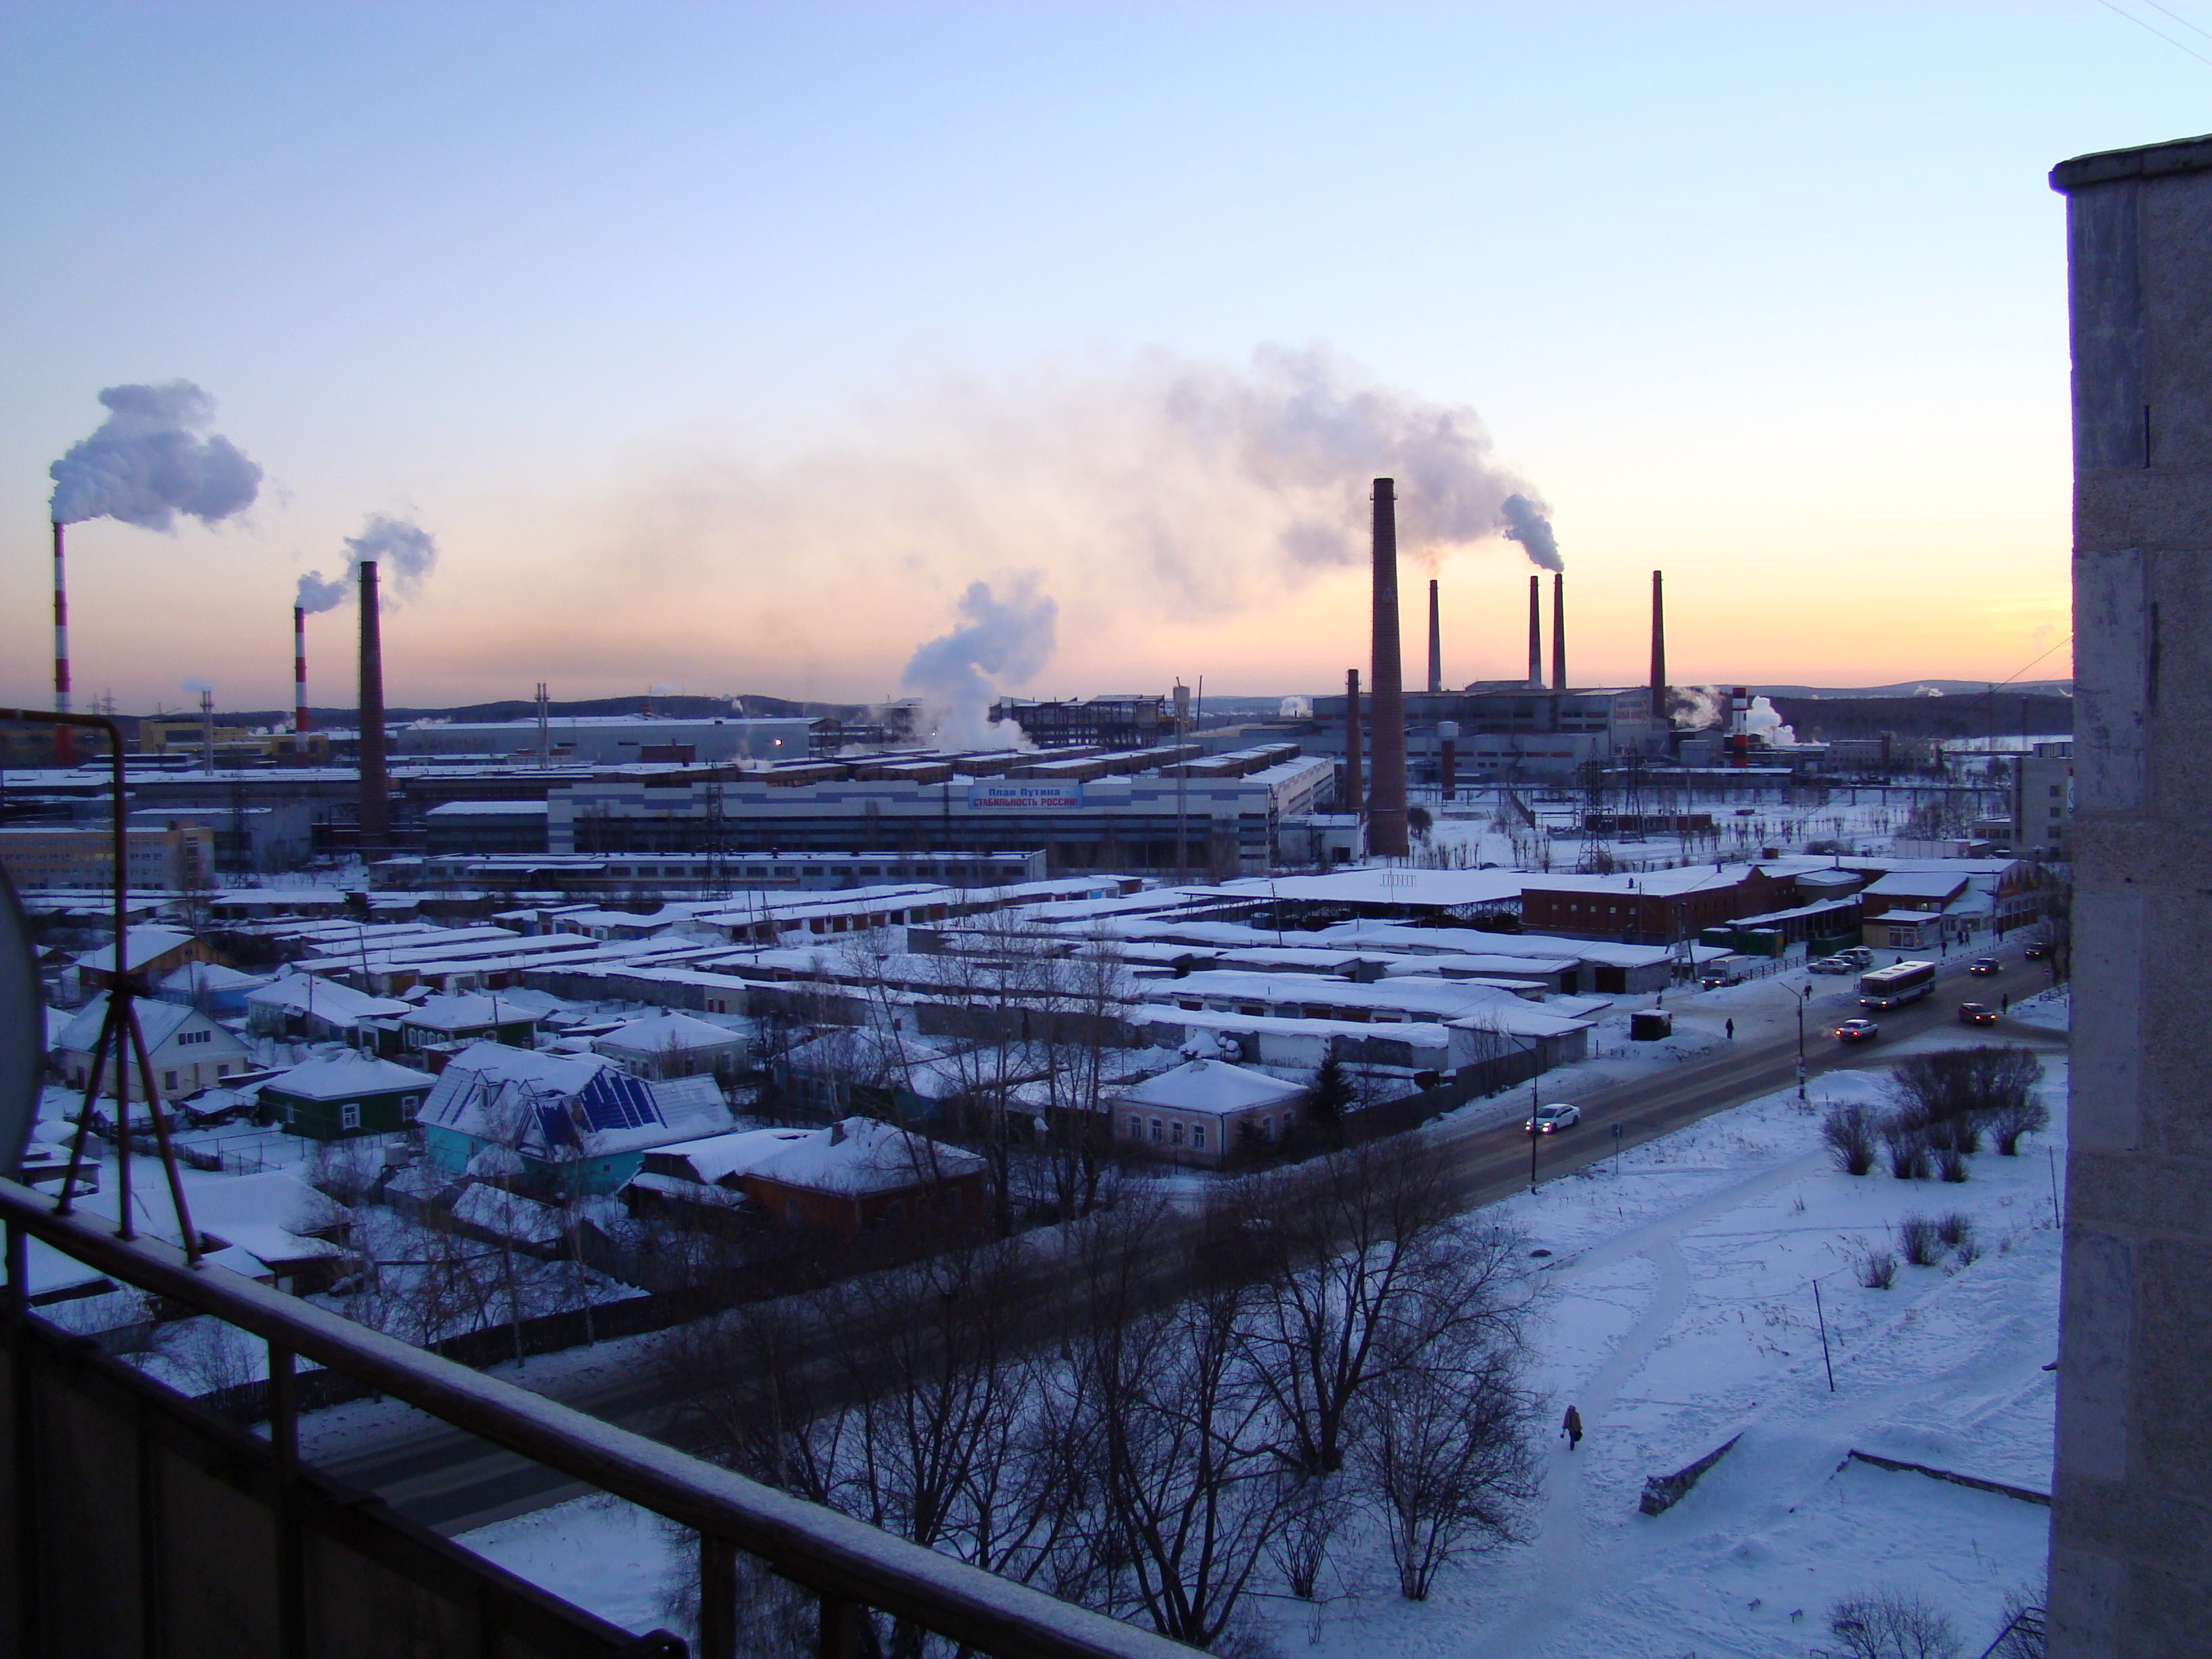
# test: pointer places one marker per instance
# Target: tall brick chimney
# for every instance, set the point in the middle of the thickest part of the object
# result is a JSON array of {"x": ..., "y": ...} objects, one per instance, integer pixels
[{"x": 1386, "y": 795}]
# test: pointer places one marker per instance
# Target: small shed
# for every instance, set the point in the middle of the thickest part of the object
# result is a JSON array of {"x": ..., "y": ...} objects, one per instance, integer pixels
[
  {"x": 856, "y": 1176},
  {"x": 346, "y": 1095},
  {"x": 211, "y": 988}
]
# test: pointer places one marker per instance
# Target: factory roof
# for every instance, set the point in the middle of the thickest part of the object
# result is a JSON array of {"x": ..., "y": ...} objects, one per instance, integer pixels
[
  {"x": 471, "y": 808},
  {"x": 1413, "y": 889}
]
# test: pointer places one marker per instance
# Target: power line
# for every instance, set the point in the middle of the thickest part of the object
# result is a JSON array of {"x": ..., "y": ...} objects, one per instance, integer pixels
[
  {"x": 2178, "y": 18},
  {"x": 2109, "y": 6},
  {"x": 2047, "y": 650}
]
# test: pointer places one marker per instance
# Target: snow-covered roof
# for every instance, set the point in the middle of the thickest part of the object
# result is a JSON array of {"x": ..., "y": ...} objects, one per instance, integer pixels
[
  {"x": 561, "y": 1106},
  {"x": 1918, "y": 884},
  {"x": 141, "y": 945},
  {"x": 668, "y": 1032},
  {"x": 269, "y": 1214},
  {"x": 157, "y": 1023},
  {"x": 326, "y": 999},
  {"x": 507, "y": 1214},
  {"x": 1397, "y": 936},
  {"x": 719, "y": 1156},
  {"x": 198, "y": 978},
  {"x": 469, "y": 1011},
  {"x": 1211, "y": 1086},
  {"x": 463, "y": 809},
  {"x": 1413, "y": 995},
  {"x": 348, "y": 1075},
  {"x": 857, "y": 1156}
]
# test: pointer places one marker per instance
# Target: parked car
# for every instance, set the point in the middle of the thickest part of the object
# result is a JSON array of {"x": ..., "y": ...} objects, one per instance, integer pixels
[
  {"x": 1829, "y": 965},
  {"x": 1857, "y": 1030},
  {"x": 1983, "y": 966},
  {"x": 1977, "y": 1013},
  {"x": 1549, "y": 1120},
  {"x": 1858, "y": 956},
  {"x": 2038, "y": 952}
]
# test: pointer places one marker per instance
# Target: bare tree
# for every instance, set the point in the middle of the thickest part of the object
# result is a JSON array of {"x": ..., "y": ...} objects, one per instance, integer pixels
[
  {"x": 1450, "y": 1457},
  {"x": 1362, "y": 1271}
]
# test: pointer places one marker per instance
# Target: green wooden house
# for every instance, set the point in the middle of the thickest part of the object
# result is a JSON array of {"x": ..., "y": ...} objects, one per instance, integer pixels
[{"x": 350, "y": 1095}]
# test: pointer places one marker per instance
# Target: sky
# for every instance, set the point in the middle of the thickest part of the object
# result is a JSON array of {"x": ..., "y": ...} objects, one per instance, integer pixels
[{"x": 727, "y": 347}]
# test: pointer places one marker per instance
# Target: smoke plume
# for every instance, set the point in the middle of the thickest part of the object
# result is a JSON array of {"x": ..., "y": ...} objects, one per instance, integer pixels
[
  {"x": 144, "y": 465},
  {"x": 1525, "y": 523},
  {"x": 315, "y": 594},
  {"x": 196, "y": 685},
  {"x": 999, "y": 642},
  {"x": 405, "y": 554}
]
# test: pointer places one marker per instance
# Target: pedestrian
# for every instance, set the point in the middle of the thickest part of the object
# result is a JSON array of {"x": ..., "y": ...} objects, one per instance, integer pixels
[
  {"x": 1572, "y": 1428},
  {"x": 1731, "y": 1030},
  {"x": 2004, "y": 1003}
]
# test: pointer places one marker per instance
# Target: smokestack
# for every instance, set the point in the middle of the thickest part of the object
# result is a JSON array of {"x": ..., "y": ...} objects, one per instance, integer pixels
[
  {"x": 299, "y": 671},
  {"x": 1386, "y": 794},
  {"x": 375, "y": 799},
  {"x": 1436, "y": 641},
  {"x": 65, "y": 745},
  {"x": 1558, "y": 631},
  {"x": 1448, "y": 757},
  {"x": 1352, "y": 796},
  {"x": 207, "y": 729},
  {"x": 1658, "y": 651},
  {"x": 1535, "y": 632}
]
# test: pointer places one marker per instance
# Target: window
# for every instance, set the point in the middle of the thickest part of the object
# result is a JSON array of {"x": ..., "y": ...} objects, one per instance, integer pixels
[
  {"x": 1136, "y": 1127},
  {"x": 1175, "y": 1134},
  {"x": 168, "y": 1080},
  {"x": 409, "y": 1104},
  {"x": 1198, "y": 1137},
  {"x": 1156, "y": 1128},
  {"x": 349, "y": 1115}
]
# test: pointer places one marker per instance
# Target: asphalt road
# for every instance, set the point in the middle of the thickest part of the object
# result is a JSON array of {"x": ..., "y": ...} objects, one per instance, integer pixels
[{"x": 452, "y": 1482}]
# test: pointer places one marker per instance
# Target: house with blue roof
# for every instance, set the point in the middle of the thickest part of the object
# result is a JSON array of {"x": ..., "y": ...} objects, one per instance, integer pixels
[{"x": 562, "y": 1124}]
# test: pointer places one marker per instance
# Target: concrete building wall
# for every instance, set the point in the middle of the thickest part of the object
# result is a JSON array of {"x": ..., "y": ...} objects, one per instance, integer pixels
[
  {"x": 168, "y": 858},
  {"x": 2131, "y": 1519}
]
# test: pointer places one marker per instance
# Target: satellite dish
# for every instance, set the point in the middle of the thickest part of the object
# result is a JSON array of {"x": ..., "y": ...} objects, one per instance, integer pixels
[{"x": 22, "y": 1033}]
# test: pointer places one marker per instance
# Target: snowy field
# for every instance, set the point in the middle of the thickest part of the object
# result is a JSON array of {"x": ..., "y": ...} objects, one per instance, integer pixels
[{"x": 1678, "y": 1311}]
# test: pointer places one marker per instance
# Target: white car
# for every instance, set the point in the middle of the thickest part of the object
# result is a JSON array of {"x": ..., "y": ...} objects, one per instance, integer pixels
[
  {"x": 1549, "y": 1120},
  {"x": 1829, "y": 965}
]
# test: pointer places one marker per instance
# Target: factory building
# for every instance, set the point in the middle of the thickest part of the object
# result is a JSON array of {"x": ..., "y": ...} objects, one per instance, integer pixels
[
  {"x": 171, "y": 858},
  {"x": 608, "y": 740},
  {"x": 1214, "y": 815}
]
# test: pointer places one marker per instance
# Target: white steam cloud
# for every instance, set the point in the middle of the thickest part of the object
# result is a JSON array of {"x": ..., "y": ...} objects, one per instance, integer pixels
[
  {"x": 1155, "y": 495},
  {"x": 316, "y": 594},
  {"x": 1000, "y": 643},
  {"x": 405, "y": 554},
  {"x": 145, "y": 464},
  {"x": 1525, "y": 523},
  {"x": 196, "y": 685}
]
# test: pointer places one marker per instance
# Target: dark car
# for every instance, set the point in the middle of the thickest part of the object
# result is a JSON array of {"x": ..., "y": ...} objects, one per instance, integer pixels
[
  {"x": 1984, "y": 966},
  {"x": 2038, "y": 952},
  {"x": 1857, "y": 1030},
  {"x": 1977, "y": 1013}
]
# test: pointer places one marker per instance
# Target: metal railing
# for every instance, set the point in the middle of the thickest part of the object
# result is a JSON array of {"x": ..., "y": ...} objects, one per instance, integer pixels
[{"x": 278, "y": 1549}]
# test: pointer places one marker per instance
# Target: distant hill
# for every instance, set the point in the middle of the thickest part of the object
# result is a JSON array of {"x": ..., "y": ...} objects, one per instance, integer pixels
[
  {"x": 522, "y": 709},
  {"x": 1921, "y": 688}
]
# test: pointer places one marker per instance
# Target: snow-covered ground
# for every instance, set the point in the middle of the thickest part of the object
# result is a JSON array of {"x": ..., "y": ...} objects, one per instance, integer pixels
[{"x": 1678, "y": 1311}]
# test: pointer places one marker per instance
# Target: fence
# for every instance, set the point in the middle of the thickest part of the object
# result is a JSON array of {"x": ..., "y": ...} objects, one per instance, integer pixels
[{"x": 134, "y": 1520}]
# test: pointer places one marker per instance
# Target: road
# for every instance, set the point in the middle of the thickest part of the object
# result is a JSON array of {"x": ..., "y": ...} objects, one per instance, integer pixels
[{"x": 452, "y": 1482}]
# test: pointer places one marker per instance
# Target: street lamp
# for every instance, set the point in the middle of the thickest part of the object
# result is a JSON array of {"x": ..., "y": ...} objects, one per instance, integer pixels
[{"x": 1803, "y": 997}]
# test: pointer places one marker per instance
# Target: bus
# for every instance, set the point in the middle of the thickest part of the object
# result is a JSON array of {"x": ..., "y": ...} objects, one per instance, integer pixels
[{"x": 1895, "y": 986}]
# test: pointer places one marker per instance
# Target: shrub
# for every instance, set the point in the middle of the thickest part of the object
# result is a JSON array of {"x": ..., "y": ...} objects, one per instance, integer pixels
[
  {"x": 1919, "y": 1241},
  {"x": 1954, "y": 1228},
  {"x": 1849, "y": 1131},
  {"x": 1970, "y": 1091},
  {"x": 1877, "y": 1270},
  {"x": 1950, "y": 1163},
  {"x": 1907, "y": 1143},
  {"x": 2009, "y": 1122},
  {"x": 1892, "y": 1623}
]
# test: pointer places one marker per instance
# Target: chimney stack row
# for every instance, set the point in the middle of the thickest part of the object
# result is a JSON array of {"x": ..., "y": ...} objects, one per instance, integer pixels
[{"x": 375, "y": 789}]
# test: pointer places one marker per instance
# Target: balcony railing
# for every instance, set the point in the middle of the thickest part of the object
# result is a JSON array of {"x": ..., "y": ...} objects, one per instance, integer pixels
[{"x": 134, "y": 1521}]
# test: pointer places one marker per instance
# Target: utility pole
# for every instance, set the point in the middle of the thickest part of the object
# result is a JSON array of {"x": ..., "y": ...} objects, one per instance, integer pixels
[{"x": 1183, "y": 783}]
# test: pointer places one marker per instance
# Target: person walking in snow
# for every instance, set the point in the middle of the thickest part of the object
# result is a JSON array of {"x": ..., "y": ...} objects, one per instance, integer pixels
[
  {"x": 1572, "y": 1428},
  {"x": 2004, "y": 1003},
  {"x": 1731, "y": 1030}
]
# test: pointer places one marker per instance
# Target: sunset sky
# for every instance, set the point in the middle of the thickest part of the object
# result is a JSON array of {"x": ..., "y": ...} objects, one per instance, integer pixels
[{"x": 724, "y": 346}]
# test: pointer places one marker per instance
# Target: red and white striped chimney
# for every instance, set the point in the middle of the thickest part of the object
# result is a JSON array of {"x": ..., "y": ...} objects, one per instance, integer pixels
[
  {"x": 64, "y": 749},
  {"x": 299, "y": 670}
]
